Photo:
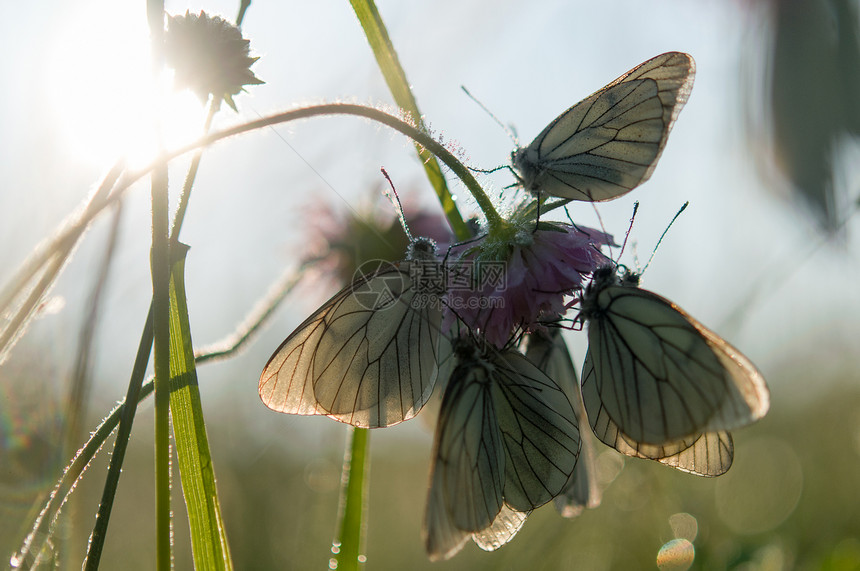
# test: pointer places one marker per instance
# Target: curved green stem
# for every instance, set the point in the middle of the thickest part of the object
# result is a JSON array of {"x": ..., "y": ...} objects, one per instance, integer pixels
[
  {"x": 75, "y": 227},
  {"x": 417, "y": 135}
]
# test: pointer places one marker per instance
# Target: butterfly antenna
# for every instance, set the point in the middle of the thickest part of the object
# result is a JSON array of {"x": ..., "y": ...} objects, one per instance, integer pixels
[
  {"x": 629, "y": 228},
  {"x": 663, "y": 235},
  {"x": 464, "y": 243},
  {"x": 492, "y": 170},
  {"x": 398, "y": 206},
  {"x": 511, "y": 133}
]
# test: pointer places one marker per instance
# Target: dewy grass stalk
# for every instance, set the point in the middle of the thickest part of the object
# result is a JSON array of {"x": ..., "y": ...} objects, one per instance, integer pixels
[
  {"x": 75, "y": 228},
  {"x": 123, "y": 416},
  {"x": 161, "y": 348},
  {"x": 160, "y": 300}
]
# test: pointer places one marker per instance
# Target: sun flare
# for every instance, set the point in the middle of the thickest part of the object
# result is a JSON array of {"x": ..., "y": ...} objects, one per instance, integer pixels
[{"x": 105, "y": 94}]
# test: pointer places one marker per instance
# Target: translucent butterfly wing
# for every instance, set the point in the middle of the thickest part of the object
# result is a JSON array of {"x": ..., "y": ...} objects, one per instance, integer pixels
[
  {"x": 549, "y": 353},
  {"x": 507, "y": 441},
  {"x": 749, "y": 398},
  {"x": 387, "y": 367},
  {"x": 708, "y": 454},
  {"x": 442, "y": 539},
  {"x": 367, "y": 357},
  {"x": 539, "y": 428},
  {"x": 507, "y": 524},
  {"x": 660, "y": 377},
  {"x": 467, "y": 478},
  {"x": 609, "y": 143}
]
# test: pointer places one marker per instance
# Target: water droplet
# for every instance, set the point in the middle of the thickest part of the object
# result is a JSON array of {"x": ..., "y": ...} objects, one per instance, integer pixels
[
  {"x": 523, "y": 238},
  {"x": 335, "y": 548},
  {"x": 332, "y": 563},
  {"x": 362, "y": 558},
  {"x": 676, "y": 555}
]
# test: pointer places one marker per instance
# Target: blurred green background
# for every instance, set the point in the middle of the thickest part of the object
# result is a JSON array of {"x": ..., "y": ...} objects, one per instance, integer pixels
[{"x": 765, "y": 151}]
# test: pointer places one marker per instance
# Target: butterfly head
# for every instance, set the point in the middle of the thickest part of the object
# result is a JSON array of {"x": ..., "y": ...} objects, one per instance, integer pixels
[
  {"x": 466, "y": 348},
  {"x": 629, "y": 278},
  {"x": 603, "y": 277},
  {"x": 524, "y": 160},
  {"x": 472, "y": 351},
  {"x": 421, "y": 248}
]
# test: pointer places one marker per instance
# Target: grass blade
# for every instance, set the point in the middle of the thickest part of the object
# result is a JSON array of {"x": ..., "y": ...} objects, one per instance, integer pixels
[
  {"x": 395, "y": 77},
  {"x": 42, "y": 527},
  {"x": 208, "y": 536},
  {"x": 126, "y": 420}
]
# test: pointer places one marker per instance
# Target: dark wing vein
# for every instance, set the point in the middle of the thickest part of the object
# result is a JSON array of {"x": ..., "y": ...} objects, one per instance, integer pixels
[
  {"x": 610, "y": 142},
  {"x": 367, "y": 364},
  {"x": 708, "y": 454},
  {"x": 540, "y": 431},
  {"x": 666, "y": 382}
]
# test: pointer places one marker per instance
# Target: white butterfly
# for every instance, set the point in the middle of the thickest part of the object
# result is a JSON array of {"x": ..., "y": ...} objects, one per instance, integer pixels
[
  {"x": 609, "y": 143},
  {"x": 368, "y": 356},
  {"x": 506, "y": 442},
  {"x": 548, "y": 351},
  {"x": 658, "y": 384}
]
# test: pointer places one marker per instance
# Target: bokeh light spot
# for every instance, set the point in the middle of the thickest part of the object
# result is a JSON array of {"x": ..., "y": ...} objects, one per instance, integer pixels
[
  {"x": 608, "y": 465},
  {"x": 684, "y": 526},
  {"x": 762, "y": 488},
  {"x": 676, "y": 555},
  {"x": 322, "y": 476}
]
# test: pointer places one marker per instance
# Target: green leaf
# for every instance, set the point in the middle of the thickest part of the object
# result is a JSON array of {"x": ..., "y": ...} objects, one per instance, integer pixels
[
  {"x": 395, "y": 77},
  {"x": 208, "y": 536}
]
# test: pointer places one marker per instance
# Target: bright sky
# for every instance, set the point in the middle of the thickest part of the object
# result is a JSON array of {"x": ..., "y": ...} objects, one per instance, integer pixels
[{"x": 74, "y": 99}]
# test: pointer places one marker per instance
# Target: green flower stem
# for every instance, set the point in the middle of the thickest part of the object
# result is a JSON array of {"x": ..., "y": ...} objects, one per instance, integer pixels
[
  {"x": 71, "y": 231},
  {"x": 160, "y": 271},
  {"x": 122, "y": 415},
  {"x": 243, "y": 7},
  {"x": 191, "y": 175},
  {"x": 160, "y": 268},
  {"x": 356, "y": 465},
  {"x": 372, "y": 113}
]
